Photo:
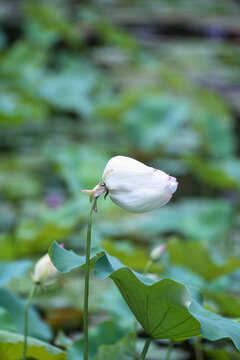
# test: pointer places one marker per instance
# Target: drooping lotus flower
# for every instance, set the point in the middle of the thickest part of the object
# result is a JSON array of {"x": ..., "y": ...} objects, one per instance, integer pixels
[{"x": 134, "y": 186}]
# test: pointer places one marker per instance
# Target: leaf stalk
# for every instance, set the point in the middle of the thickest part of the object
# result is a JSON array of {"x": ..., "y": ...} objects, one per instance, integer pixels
[
  {"x": 86, "y": 287},
  {"x": 145, "y": 348},
  {"x": 30, "y": 296},
  {"x": 170, "y": 346}
]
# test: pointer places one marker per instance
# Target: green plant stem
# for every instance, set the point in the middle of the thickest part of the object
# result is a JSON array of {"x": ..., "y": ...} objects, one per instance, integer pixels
[
  {"x": 145, "y": 348},
  {"x": 145, "y": 270},
  {"x": 170, "y": 346},
  {"x": 86, "y": 288},
  {"x": 198, "y": 349},
  {"x": 30, "y": 296},
  {"x": 147, "y": 267}
]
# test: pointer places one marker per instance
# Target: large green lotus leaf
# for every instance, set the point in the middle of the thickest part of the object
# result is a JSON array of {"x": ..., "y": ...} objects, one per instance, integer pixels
[
  {"x": 214, "y": 327},
  {"x": 12, "y": 270},
  {"x": 200, "y": 260},
  {"x": 122, "y": 350},
  {"x": 165, "y": 308},
  {"x": 161, "y": 308},
  {"x": 67, "y": 260},
  {"x": 16, "y": 307},
  {"x": 11, "y": 347}
]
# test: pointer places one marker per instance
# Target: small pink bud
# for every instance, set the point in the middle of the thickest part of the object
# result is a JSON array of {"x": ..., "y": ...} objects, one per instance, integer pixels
[{"x": 158, "y": 252}]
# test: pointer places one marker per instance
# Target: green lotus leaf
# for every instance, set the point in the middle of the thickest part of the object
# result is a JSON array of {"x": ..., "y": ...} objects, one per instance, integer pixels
[
  {"x": 15, "y": 306},
  {"x": 214, "y": 327},
  {"x": 160, "y": 307},
  {"x": 11, "y": 347},
  {"x": 11, "y": 270},
  {"x": 165, "y": 308},
  {"x": 67, "y": 260}
]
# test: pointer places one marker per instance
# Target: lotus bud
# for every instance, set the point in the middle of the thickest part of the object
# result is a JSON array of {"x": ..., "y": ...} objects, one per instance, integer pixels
[
  {"x": 158, "y": 252},
  {"x": 44, "y": 270}
]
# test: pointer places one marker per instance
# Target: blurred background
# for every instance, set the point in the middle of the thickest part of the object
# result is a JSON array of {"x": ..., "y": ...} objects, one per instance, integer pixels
[{"x": 82, "y": 81}]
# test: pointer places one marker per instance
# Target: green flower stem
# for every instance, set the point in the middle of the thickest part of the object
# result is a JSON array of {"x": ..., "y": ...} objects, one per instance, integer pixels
[
  {"x": 170, "y": 346},
  {"x": 145, "y": 270},
  {"x": 86, "y": 289},
  {"x": 30, "y": 296},
  {"x": 145, "y": 349},
  {"x": 135, "y": 328},
  {"x": 147, "y": 267},
  {"x": 198, "y": 348}
]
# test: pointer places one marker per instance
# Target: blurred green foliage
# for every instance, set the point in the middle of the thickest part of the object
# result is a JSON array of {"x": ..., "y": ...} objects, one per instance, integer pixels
[{"x": 82, "y": 82}]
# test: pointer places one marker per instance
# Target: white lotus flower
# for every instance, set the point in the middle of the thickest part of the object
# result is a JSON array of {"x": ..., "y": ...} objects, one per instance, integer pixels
[
  {"x": 134, "y": 186},
  {"x": 44, "y": 271}
]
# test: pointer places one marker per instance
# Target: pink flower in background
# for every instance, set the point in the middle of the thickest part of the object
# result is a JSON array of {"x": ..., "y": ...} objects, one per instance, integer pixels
[
  {"x": 54, "y": 199},
  {"x": 158, "y": 252}
]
